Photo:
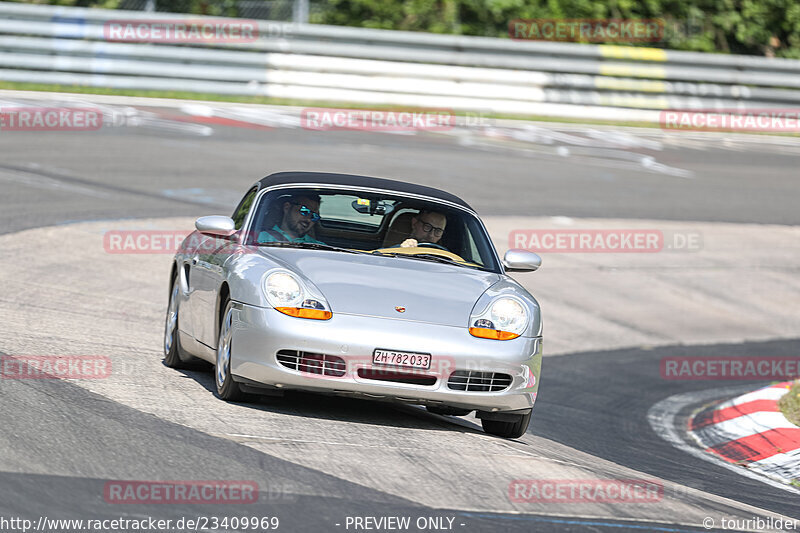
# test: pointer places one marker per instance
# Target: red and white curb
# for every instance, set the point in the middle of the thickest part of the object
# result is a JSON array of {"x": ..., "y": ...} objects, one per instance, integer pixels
[{"x": 751, "y": 431}]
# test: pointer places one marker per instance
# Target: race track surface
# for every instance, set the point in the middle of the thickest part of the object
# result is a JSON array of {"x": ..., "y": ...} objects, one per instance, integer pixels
[{"x": 609, "y": 320}]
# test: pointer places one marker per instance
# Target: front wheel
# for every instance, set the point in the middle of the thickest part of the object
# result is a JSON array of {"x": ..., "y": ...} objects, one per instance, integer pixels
[
  {"x": 227, "y": 389},
  {"x": 174, "y": 357},
  {"x": 507, "y": 430}
]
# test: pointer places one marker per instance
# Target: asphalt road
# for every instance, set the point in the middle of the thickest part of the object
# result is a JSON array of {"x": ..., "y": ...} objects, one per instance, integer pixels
[
  {"x": 46, "y": 176},
  {"x": 61, "y": 443},
  {"x": 80, "y": 447}
]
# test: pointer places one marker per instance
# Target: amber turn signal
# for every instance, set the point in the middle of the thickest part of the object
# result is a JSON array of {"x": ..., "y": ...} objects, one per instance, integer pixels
[
  {"x": 495, "y": 334},
  {"x": 301, "y": 312}
]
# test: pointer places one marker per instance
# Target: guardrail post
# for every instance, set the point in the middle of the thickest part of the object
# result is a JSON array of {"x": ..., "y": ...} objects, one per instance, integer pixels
[{"x": 300, "y": 11}]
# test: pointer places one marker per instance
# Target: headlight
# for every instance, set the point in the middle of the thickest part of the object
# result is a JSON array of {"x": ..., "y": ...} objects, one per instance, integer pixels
[
  {"x": 505, "y": 318},
  {"x": 289, "y": 296}
]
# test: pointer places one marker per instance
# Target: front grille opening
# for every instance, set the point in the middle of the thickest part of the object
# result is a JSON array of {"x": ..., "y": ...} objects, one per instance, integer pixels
[
  {"x": 474, "y": 381},
  {"x": 313, "y": 363},
  {"x": 395, "y": 377}
]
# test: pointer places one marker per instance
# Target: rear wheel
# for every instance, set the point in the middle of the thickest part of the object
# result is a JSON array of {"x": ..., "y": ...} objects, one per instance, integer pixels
[
  {"x": 227, "y": 389},
  {"x": 174, "y": 356},
  {"x": 507, "y": 430}
]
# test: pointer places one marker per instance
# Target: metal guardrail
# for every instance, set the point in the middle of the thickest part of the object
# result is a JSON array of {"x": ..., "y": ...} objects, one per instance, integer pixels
[{"x": 67, "y": 46}]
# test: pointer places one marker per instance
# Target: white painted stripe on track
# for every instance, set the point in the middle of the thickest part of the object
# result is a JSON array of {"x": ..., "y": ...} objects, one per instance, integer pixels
[
  {"x": 768, "y": 393},
  {"x": 741, "y": 427},
  {"x": 785, "y": 465}
]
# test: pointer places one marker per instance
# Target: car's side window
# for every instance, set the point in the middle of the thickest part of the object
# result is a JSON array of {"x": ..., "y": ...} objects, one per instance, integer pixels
[{"x": 240, "y": 214}]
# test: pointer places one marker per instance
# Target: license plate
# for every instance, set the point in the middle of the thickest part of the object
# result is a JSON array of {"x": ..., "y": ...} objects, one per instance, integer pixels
[{"x": 402, "y": 359}]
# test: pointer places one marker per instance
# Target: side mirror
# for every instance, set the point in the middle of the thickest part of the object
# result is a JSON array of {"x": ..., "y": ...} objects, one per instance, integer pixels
[
  {"x": 215, "y": 225},
  {"x": 517, "y": 260}
]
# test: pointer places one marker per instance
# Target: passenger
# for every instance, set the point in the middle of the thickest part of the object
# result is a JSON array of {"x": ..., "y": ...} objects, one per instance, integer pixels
[{"x": 300, "y": 213}]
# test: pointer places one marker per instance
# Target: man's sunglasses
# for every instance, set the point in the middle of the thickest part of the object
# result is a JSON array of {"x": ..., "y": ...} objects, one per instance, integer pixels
[
  {"x": 428, "y": 227},
  {"x": 306, "y": 212}
]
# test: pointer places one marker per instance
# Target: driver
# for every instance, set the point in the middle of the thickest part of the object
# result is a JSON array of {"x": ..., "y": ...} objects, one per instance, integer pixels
[
  {"x": 300, "y": 213},
  {"x": 427, "y": 226}
]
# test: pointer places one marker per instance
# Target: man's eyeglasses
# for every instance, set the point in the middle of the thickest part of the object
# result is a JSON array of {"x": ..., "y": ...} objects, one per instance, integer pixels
[
  {"x": 428, "y": 227},
  {"x": 307, "y": 212}
]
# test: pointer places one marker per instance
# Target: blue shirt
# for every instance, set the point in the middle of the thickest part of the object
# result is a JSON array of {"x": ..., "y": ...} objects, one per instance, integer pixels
[{"x": 267, "y": 236}]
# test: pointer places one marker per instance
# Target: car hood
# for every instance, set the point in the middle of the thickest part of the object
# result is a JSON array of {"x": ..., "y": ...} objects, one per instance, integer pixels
[{"x": 372, "y": 285}]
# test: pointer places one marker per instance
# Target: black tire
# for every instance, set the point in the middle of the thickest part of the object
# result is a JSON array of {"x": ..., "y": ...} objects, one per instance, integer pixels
[
  {"x": 445, "y": 410},
  {"x": 174, "y": 356},
  {"x": 227, "y": 389},
  {"x": 507, "y": 430}
]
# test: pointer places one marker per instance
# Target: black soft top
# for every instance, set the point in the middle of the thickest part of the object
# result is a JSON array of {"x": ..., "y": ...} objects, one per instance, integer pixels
[{"x": 327, "y": 178}]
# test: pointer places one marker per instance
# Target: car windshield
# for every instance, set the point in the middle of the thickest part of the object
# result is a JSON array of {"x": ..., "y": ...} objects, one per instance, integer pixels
[{"x": 382, "y": 224}]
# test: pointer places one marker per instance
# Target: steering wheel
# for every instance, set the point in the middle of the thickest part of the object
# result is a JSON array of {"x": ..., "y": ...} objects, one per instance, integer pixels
[{"x": 432, "y": 245}]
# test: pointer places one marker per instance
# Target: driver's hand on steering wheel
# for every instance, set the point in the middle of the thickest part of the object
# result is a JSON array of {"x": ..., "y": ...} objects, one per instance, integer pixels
[{"x": 408, "y": 243}]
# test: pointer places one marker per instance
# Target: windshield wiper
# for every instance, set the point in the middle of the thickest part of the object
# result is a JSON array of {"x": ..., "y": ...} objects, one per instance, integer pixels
[{"x": 311, "y": 245}]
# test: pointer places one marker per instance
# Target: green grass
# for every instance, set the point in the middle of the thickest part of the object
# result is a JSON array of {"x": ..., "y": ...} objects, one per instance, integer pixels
[{"x": 790, "y": 404}]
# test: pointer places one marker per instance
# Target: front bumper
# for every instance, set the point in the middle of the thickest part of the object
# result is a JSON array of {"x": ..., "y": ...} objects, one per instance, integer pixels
[{"x": 259, "y": 333}]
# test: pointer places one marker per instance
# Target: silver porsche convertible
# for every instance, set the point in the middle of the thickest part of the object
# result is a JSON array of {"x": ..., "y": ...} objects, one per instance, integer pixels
[{"x": 360, "y": 286}]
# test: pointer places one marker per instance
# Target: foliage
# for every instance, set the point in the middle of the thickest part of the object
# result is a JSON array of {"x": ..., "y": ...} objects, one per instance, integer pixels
[
  {"x": 761, "y": 27},
  {"x": 758, "y": 27},
  {"x": 790, "y": 404}
]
